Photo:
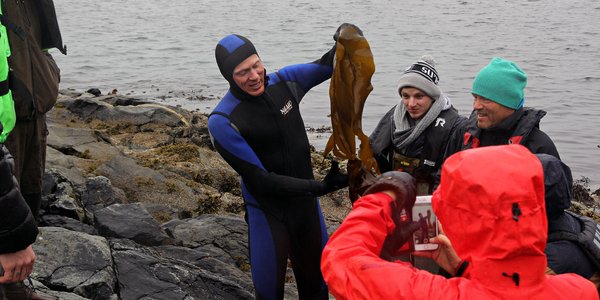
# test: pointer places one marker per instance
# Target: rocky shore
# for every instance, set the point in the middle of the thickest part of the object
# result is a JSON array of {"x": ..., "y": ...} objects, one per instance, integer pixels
[{"x": 138, "y": 205}]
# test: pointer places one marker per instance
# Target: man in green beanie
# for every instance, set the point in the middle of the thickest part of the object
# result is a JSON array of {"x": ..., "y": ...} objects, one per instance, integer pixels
[{"x": 498, "y": 116}]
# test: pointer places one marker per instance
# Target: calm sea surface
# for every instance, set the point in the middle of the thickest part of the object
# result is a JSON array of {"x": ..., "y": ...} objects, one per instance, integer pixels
[{"x": 165, "y": 51}]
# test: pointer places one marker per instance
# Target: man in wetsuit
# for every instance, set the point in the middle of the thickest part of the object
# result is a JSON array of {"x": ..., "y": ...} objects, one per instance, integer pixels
[{"x": 257, "y": 128}]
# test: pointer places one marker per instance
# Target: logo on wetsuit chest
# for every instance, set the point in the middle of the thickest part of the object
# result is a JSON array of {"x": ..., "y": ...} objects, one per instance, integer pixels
[{"x": 286, "y": 108}]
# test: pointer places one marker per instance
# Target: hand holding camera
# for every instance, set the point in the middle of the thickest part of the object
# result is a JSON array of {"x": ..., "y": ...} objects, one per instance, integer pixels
[
  {"x": 422, "y": 213},
  {"x": 444, "y": 254},
  {"x": 402, "y": 186}
]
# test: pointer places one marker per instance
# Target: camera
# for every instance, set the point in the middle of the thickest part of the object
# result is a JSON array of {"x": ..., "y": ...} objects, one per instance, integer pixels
[{"x": 422, "y": 213}]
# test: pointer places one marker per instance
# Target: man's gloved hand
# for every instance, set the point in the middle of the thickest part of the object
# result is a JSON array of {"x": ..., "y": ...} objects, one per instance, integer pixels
[
  {"x": 360, "y": 179},
  {"x": 335, "y": 180},
  {"x": 403, "y": 186}
]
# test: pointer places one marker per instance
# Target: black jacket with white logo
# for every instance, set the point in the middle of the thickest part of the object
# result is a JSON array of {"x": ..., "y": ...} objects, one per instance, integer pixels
[{"x": 428, "y": 148}]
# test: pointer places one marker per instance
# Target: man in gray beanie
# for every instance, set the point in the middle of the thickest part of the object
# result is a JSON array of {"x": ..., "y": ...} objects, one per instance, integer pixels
[{"x": 412, "y": 136}]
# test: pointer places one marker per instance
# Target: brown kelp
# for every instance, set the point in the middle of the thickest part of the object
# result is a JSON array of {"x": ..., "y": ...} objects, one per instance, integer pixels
[{"x": 348, "y": 91}]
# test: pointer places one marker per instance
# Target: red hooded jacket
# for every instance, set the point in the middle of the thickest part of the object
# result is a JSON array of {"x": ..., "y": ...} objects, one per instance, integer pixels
[{"x": 491, "y": 203}]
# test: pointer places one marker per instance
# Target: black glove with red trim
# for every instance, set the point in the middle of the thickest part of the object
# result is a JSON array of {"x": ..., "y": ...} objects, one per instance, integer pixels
[{"x": 403, "y": 186}]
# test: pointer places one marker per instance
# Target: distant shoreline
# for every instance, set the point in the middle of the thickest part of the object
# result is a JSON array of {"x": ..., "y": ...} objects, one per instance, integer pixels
[{"x": 201, "y": 101}]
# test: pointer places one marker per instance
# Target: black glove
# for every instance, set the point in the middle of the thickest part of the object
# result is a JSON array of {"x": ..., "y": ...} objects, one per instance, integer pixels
[
  {"x": 360, "y": 179},
  {"x": 403, "y": 185},
  {"x": 334, "y": 180},
  {"x": 6, "y": 171}
]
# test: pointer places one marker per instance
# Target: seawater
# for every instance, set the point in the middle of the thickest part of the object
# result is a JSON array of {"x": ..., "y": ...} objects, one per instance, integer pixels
[{"x": 164, "y": 51}]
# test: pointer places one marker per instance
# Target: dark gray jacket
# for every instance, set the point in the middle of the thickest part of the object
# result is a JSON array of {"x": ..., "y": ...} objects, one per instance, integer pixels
[
  {"x": 18, "y": 229},
  {"x": 563, "y": 256},
  {"x": 522, "y": 127}
]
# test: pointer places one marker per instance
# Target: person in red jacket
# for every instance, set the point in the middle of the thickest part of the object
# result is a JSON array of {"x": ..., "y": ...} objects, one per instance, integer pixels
[{"x": 492, "y": 210}]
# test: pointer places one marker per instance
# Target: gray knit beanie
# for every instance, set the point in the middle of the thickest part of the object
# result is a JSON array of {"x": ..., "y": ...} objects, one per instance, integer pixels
[{"x": 423, "y": 76}]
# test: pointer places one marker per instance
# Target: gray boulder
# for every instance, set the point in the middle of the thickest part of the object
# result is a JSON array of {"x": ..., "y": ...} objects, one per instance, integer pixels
[
  {"x": 209, "y": 262},
  {"x": 145, "y": 274},
  {"x": 74, "y": 262},
  {"x": 67, "y": 223},
  {"x": 65, "y": 201},
  {"x": 228, "y": 234},
  {"x": 142, "y": 184},
  {"x": 99, "y": 193},
  {"x": 130, "y": 221},
  {"x": 138, "y": 115}
]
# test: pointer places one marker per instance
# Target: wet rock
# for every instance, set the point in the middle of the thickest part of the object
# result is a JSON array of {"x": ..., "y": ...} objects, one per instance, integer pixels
[
  {"x": 136, "y": 115},
  {"x": 119, "y": 100},
  {"x": 120, "y": 166},
  {"x": 43, "y": 290},
  {"x": 130, "y": 221},
  {"x": 142, "y": 184},
  {"x": 228, "y": 233},
  {"x": 65, "y": 203},
  {"x": 50, "y": 220},
  {"x": 144, "y": 273},
  {"x": 210, "y": 262},
  {"x": 94, "y": 91},
  {"x": 68, "y": 93},
  {"x": 100, "y": 193},
  {"x": 48, "y": 184},
  {"x": 74, "y": 262},
  {"x": 163, "y": 212}
]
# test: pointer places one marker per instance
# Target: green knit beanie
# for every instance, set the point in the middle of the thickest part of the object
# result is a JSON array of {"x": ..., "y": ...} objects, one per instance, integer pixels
[{"x": 501, "y": 81}]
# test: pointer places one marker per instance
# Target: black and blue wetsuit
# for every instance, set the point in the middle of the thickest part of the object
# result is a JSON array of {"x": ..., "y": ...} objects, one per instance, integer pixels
[{"x": 264, "y": 139}]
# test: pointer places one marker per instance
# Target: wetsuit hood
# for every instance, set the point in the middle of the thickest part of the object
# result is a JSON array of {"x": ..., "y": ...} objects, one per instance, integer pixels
[{"x": 230, "y": 52}]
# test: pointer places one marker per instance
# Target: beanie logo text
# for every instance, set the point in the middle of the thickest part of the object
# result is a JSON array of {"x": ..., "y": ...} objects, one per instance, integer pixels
[{"x": 425, "y": 70}]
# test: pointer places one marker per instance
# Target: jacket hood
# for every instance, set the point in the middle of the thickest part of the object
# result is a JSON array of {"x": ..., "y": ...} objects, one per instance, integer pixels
[
  {"x": 491, "y": 203},
  {"x": 558, "y": 183}
]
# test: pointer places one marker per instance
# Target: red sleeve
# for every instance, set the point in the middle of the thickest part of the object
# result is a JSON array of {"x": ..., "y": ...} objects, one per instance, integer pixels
[{"x": 353, "y": 269}]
